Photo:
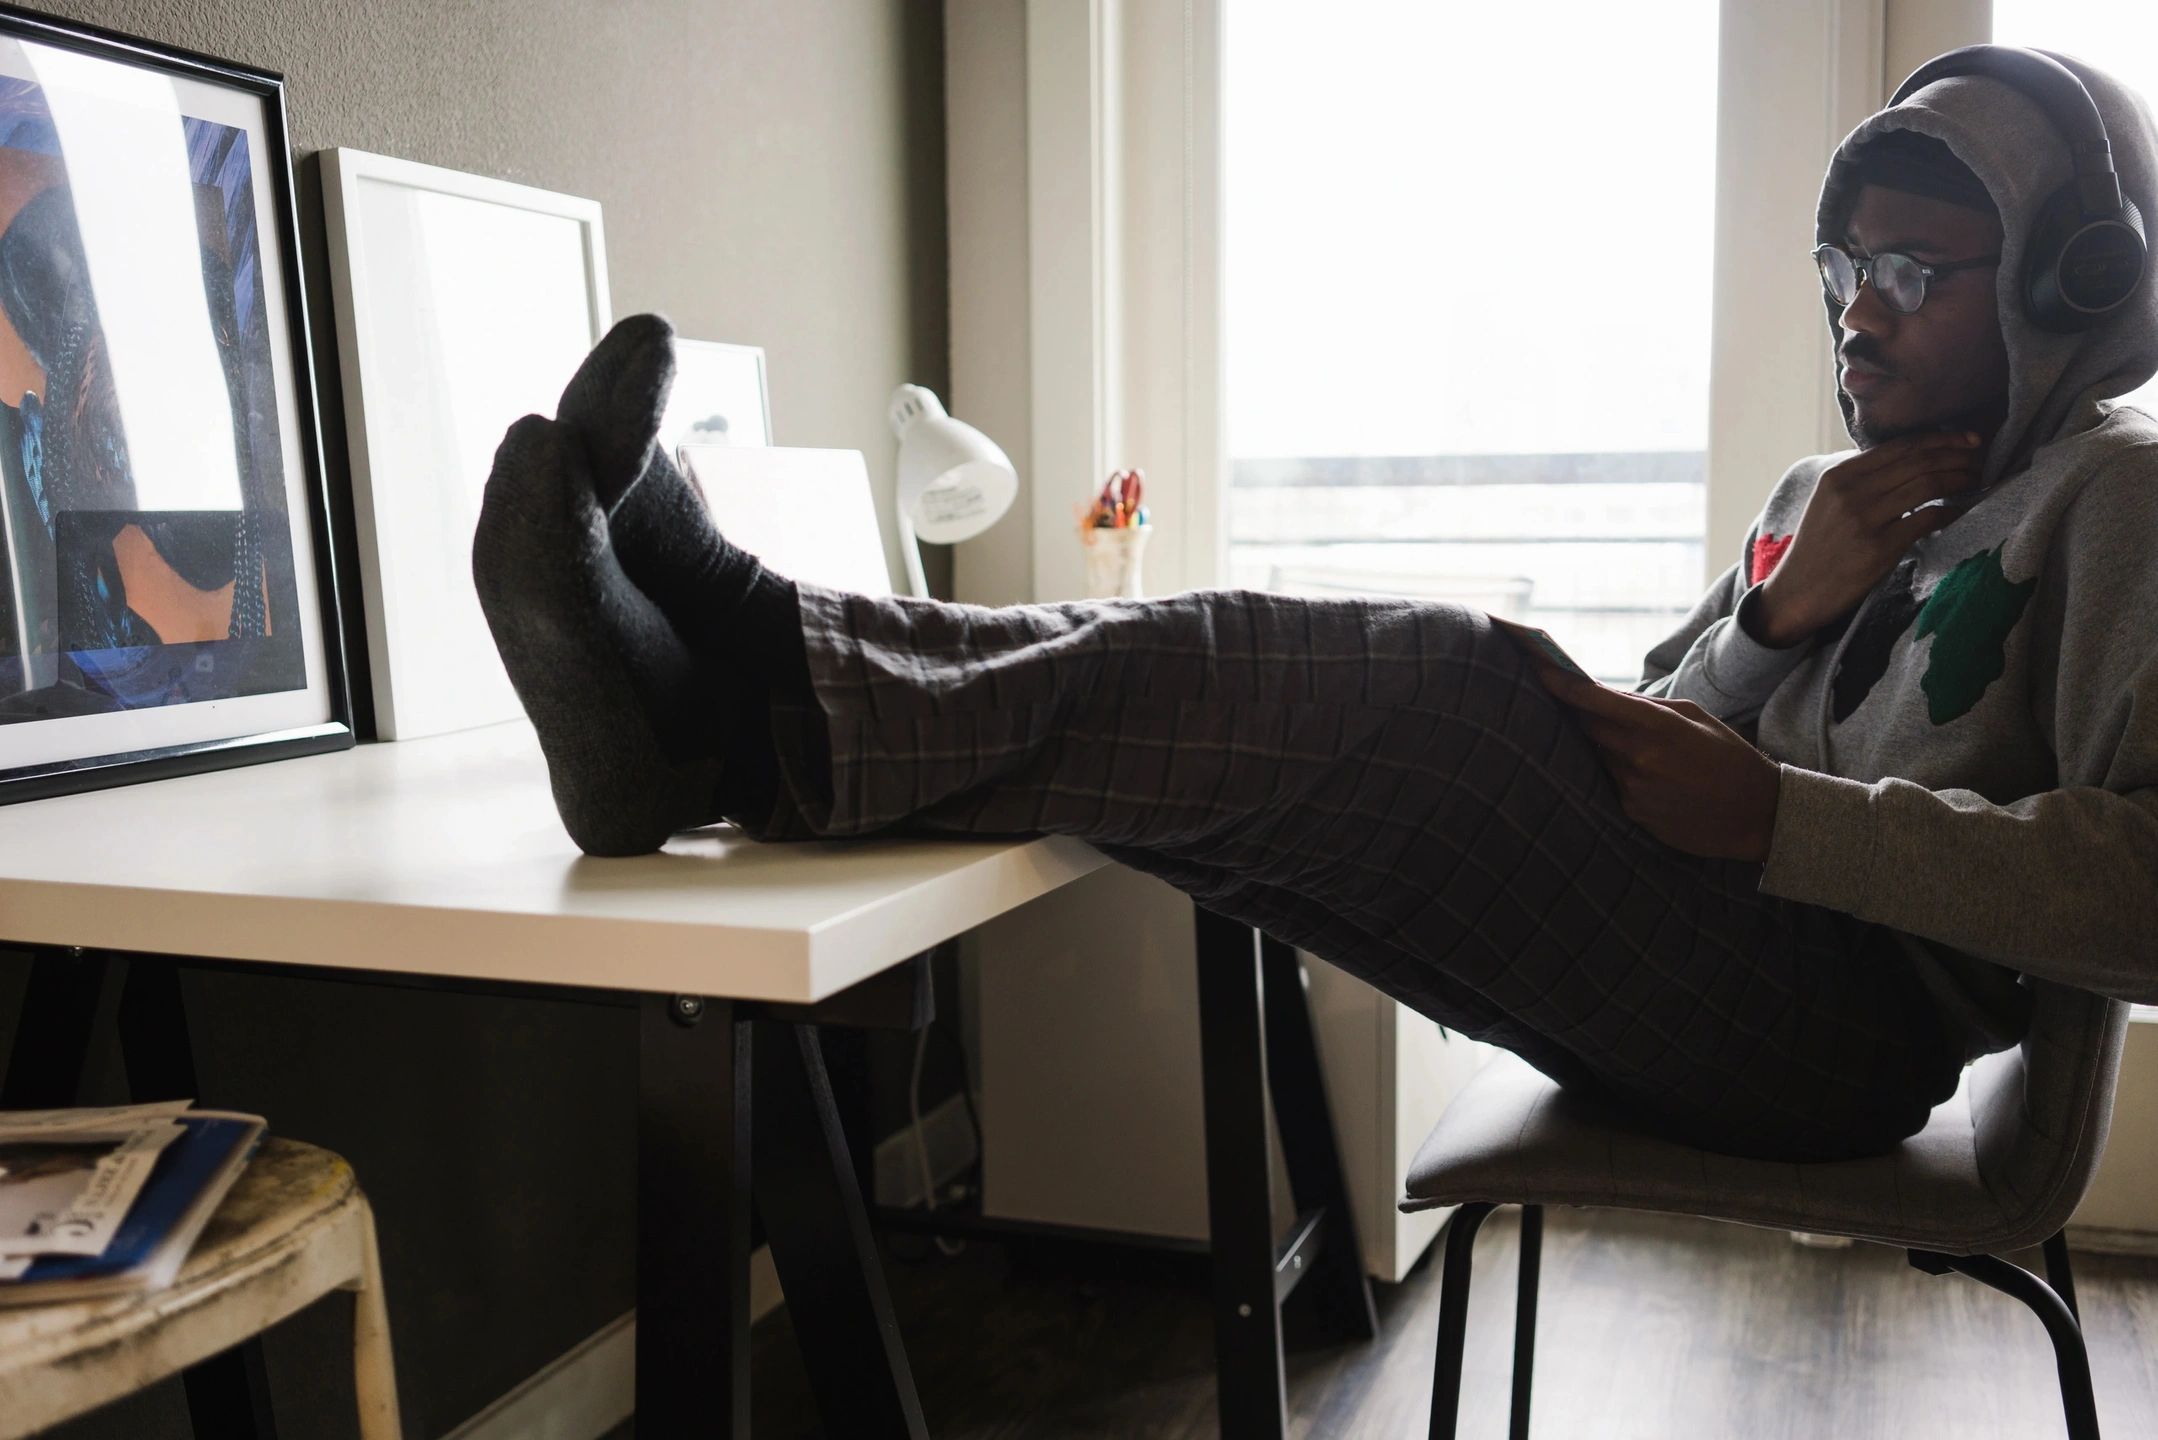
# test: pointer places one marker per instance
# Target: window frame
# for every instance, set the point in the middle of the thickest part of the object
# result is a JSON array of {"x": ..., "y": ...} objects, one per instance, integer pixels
[{"x": 1125, "y": 282}]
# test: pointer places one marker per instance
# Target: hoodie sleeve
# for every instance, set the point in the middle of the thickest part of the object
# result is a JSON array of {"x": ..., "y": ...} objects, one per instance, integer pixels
[
  {"x": 2061, "y": 885},
  {"x": 1713, "y": 658}
]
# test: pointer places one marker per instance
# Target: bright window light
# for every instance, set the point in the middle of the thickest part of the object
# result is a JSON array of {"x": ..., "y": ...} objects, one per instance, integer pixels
[{"x": 1468, "y": 256}]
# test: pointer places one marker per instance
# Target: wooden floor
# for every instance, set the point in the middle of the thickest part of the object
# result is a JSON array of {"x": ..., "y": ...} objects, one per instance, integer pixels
[{"x": 1650, "y": 1327}]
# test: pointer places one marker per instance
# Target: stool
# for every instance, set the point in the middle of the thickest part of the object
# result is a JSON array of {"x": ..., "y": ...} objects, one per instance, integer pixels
[{"x": 294, "y": 1227}]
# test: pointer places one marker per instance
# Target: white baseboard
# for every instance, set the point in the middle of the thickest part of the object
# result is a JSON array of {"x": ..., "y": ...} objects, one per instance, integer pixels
[
  {"x": 2103, "y": 1240},
  {"x": 578, "y": 1396},
  {"x": 592, "y": 1389}
]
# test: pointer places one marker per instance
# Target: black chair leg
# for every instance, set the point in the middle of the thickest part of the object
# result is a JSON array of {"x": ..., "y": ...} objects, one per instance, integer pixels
[
  {"x": 2059, "y": 1276},
  {"x": 1454, "y": 1318},
  {"x": 1532, "y": 1259},
  {"x": 2077, "y": 1399}
]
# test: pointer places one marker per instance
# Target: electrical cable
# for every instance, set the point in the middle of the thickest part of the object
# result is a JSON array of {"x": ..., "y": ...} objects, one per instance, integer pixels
[
  {"x": 921, "y": 1139},
  {"x": 914, "y": 1112}
]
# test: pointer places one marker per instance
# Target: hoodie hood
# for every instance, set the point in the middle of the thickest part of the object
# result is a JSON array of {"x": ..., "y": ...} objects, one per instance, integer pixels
[{"x": 2057, "y": 384}]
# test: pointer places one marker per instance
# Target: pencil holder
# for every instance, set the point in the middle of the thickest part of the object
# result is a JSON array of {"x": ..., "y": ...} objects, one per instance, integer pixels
[{"x": 1112, "y": 561}]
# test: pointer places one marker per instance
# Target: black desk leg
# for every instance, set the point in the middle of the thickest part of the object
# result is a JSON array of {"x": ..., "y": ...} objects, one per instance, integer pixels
[
  {"x": 154, "y": 1041},
  {"x": 693, "y": 1131},
  {"x": 822, "y": 1247},
  {"x": 1337, "y": 1287},
  {"x": 1252, "y": 1391},
  {"x": 229, "y": 1393},
  {"x": 52, "y": 1034}
]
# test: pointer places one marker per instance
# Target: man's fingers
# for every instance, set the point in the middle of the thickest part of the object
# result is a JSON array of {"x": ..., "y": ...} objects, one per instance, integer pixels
[
  {"x": 1923, "y": 471},
  {"x": 1592, "y": 698},
  {"x": 1547, "y": 674},
  {"x": 1614, "y": 741},
  {"x": 1909, "y": 450},
  {"x": 1691, "y": 710},
  {"x": 1916, "y": 489}
]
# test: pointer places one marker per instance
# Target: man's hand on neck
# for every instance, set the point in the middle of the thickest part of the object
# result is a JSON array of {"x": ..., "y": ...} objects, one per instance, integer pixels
[{"x": 1863, "y": 514}]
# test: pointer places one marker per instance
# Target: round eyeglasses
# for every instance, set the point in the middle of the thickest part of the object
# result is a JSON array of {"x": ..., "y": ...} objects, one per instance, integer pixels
[{"x": 1899, "y": 280}]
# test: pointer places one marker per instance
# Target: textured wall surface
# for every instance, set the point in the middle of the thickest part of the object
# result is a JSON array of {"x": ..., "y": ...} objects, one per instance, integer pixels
[
  {"x": 772, "y": 173},
  {"x": 771, "y": 170}
]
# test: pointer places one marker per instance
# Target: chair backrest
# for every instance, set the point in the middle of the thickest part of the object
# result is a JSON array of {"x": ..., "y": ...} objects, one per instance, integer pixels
[
  {"x": 809, "y": 514},
  {"x": 2042, "y": 1110}
]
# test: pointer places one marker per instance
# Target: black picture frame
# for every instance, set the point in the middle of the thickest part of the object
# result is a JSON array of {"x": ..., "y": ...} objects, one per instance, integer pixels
[{"x": 254, "y": 390}]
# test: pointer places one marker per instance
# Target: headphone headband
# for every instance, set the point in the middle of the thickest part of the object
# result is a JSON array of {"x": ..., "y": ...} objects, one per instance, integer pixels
[
  {"x": 2057, "y": 89},
  {"x": 2087, "y": 249}
]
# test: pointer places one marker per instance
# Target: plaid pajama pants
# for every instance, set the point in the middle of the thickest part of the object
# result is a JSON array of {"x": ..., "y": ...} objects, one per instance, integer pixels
[{"x": 1382, "y": 783}]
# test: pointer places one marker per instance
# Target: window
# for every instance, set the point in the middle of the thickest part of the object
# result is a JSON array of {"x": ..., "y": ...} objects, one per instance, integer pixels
[
  {"x": 1434, "y": 392},
  {"x": 2118, "y": 36}
]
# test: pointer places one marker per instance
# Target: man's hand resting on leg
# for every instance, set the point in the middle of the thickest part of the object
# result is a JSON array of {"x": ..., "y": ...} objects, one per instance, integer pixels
[{"x": 1683, "y": 775}]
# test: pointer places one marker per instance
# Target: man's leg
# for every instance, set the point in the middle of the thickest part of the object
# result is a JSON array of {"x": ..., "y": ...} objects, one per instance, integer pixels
[
  {"x": 1383, "y": 784},
  {"x": 1377, "y": 781}
]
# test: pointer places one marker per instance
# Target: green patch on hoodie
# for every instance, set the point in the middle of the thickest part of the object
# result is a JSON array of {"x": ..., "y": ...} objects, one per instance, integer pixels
[{"x": 1969, "y": 615}]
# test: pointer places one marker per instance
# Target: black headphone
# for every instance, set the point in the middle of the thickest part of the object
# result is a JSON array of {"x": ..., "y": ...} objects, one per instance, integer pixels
[{"x": 2086, "y": 252}]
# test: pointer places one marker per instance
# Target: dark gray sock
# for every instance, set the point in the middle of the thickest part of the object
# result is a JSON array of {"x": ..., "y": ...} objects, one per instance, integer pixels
[
  {"x": 731, "y": 608},
  {"x": 738, "y": 617},
  {"x": 621, "y": 706}
]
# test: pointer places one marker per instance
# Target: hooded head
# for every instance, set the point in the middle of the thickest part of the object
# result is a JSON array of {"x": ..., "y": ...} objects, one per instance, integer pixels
[{"x": 1967, "y": 163}]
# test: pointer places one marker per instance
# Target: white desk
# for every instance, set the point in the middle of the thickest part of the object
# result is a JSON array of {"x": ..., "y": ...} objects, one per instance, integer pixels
[{"x": 443, "y": 859}]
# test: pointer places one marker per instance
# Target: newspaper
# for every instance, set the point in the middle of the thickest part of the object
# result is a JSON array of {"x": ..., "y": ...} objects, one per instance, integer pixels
[{"x": 67, "y": 1177}]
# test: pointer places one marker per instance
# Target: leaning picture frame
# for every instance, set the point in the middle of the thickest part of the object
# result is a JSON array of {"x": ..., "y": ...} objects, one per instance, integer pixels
[
  {"x": 719, "y": 397},
  {"x": 463, "y": 302},
  {"x": 168, "y": 592}
]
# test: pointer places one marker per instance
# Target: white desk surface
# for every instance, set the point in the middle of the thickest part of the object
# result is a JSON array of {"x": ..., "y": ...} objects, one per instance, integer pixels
[{"x": 443, "y": 857}]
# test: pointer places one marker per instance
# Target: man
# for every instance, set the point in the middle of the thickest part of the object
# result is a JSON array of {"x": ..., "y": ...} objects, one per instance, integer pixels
[{"x": 1942, "y": 642}]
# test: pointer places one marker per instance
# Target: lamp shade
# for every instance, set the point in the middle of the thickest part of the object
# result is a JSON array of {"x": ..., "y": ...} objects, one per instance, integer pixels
[{"x": 954, "y": 482}]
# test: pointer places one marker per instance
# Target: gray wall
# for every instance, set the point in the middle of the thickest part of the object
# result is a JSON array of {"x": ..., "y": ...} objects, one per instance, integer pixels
[
  {"x": 772, "y": 173},
  {"x": 772, "y": 170}
]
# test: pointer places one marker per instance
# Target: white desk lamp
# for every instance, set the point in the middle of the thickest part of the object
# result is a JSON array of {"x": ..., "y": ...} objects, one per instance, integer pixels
[{"x": 954, "y": 482}]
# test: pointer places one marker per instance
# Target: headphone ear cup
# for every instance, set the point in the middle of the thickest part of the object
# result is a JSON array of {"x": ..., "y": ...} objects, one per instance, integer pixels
[{"x": 2081, "y": 268}]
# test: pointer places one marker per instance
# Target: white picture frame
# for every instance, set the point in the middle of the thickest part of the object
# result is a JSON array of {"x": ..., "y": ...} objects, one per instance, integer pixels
[
  {"x": 807, "y": 513},
  {"x": 720, "y": 397},
  {"x": 462, "y": 303}
]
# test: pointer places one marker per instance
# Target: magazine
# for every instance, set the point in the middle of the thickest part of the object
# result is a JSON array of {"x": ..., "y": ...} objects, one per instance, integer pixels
[
  {"x": 1539, "y": 643},
  {"x": 68, "y": 1176},
  {"x": 65, "y": 1194},
  {"x": 105, "y": 1202}
]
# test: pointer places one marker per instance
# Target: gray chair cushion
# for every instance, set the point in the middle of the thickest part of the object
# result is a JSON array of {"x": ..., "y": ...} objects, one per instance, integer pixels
[{"x": 1999, "y": 1166}]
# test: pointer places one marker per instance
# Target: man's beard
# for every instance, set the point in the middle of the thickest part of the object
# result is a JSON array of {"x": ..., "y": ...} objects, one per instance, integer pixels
[{"x": 1981, "y": 419}]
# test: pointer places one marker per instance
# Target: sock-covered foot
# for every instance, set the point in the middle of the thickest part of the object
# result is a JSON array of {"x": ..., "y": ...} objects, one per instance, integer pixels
[
  {"x": 733, "y": 610},
  {"x": 622, "y": 708}
]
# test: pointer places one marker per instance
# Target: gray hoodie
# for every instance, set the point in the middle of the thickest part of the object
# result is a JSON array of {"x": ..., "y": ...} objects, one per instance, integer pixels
[{"x": 1971, "y": 759}]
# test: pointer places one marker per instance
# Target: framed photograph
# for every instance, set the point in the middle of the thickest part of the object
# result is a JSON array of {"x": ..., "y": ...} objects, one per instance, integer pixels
[
  {"x": 167, "y": 599},
  {"x": 462, "y": 303},
  {"x": 719, "y": 397}
]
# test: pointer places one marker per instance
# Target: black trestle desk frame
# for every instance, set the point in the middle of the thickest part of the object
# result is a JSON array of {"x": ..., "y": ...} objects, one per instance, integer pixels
[{"x": 735, "y": 1110}]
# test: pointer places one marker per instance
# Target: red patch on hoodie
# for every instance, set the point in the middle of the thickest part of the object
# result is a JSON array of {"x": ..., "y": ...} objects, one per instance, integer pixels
[{"x": 1767, "y": 550}]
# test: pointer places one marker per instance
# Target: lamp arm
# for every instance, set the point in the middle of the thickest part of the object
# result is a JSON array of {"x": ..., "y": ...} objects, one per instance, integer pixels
[{"x": 910, "y": 550}]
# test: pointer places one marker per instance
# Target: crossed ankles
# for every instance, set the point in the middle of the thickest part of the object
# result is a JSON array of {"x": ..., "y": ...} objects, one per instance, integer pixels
[{"x": 644, "y": 647}]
